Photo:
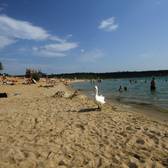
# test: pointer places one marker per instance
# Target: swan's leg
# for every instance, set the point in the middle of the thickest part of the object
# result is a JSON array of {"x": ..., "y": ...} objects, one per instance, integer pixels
[{"x": 99, "y": 107}]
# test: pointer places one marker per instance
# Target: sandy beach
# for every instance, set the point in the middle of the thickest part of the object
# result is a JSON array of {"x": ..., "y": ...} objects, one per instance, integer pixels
[{"x": 42, "y": 129}]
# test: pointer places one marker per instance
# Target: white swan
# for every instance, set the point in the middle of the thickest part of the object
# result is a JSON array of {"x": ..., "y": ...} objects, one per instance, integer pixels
[{"x": 99, "y": 98}]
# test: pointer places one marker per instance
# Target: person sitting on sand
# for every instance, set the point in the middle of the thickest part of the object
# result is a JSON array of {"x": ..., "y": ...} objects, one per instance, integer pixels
[
  {"x": 4, "y": 79},
  {"x": 47, "y": 80},
  {"x": 153, "y": 85}
]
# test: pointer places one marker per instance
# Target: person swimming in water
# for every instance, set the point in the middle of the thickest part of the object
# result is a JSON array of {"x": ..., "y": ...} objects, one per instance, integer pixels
[
  {"x": 153, "y": 85},
  {"x": 125, "y": 88},
  {"x": 120, "y": 89}
]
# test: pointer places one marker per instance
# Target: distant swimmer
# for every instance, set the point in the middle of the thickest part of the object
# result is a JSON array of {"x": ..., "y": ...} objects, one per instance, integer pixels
[
  {"x": 125, "y": 88},
  {"x": 99, "y": 80},
  {"x": 91, "y": 82},
  {"x": 153, "y": 85},
  {"x": 120, "y": 89}
]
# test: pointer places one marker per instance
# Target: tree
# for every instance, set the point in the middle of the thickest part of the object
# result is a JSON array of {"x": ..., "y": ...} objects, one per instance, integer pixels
[
  {"x": 32, "y": 73},
  {"x": 28, "y": 73},
  {"x": 1, "y": 66}
]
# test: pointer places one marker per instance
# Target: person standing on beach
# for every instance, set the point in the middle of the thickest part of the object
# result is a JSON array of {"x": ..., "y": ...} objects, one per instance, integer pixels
[{"x": 153, "y": 85}]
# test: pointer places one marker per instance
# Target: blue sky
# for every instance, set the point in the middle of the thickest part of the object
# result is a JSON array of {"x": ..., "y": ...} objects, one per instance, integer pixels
[{"x": 64, "y": 36}]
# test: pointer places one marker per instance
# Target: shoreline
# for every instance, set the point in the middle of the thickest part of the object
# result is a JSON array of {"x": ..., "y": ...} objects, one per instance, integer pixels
[{"x": 151, "y": 111}]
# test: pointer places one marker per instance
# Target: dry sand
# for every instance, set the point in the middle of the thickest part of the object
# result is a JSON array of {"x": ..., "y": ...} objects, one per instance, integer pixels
[{"x": 38, "y": 130}]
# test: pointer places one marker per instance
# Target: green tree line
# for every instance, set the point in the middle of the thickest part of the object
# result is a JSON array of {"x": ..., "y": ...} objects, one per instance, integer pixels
[{"x": 108, "y": 75}]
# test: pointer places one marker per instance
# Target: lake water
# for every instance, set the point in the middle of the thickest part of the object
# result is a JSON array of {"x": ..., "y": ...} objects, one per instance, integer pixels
[{"x": 138, "y": 91}]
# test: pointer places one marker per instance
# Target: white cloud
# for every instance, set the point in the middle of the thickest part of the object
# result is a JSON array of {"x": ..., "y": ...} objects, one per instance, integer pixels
[
  {"x": 9, "y": 59},
  {"x": 82, "y": 50},
  {"x": 5, "y": 41},
  {"x": 21, "y": 29},
  {"x": 12, "y": 30},
  {"x": 68, "y": 36},
  {"x": 91, "y": 56},
  {"x": 56, "y": 38},
  {"x": 50, "y": 54},
  {"x": 55, "y": 50},
  {"x": 60, "y": 47},
  {"x": 109, "y": 24}
]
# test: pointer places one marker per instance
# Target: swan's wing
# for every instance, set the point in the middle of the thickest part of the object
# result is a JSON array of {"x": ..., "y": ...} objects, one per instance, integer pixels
[{"x": 100, "y": 99}]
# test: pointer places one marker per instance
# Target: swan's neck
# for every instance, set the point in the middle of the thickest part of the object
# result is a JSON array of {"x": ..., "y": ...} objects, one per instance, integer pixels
[{"x": 96, "y": 91}]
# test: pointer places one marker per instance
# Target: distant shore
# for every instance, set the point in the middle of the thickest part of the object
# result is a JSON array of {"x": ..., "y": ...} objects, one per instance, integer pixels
[{"x": 111, "y": 75}]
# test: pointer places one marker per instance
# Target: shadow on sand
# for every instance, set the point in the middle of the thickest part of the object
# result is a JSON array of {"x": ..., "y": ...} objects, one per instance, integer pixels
[{"x": 89, "y": 110}]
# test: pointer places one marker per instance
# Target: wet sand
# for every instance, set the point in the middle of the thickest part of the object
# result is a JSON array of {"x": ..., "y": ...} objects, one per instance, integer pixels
[
  {"x": 39, "y": 130},
  {"x": 150, "y": 111}
]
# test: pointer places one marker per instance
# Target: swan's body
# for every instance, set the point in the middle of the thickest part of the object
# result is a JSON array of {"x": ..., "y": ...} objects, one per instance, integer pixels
[{"x": 99, "y": 98}]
